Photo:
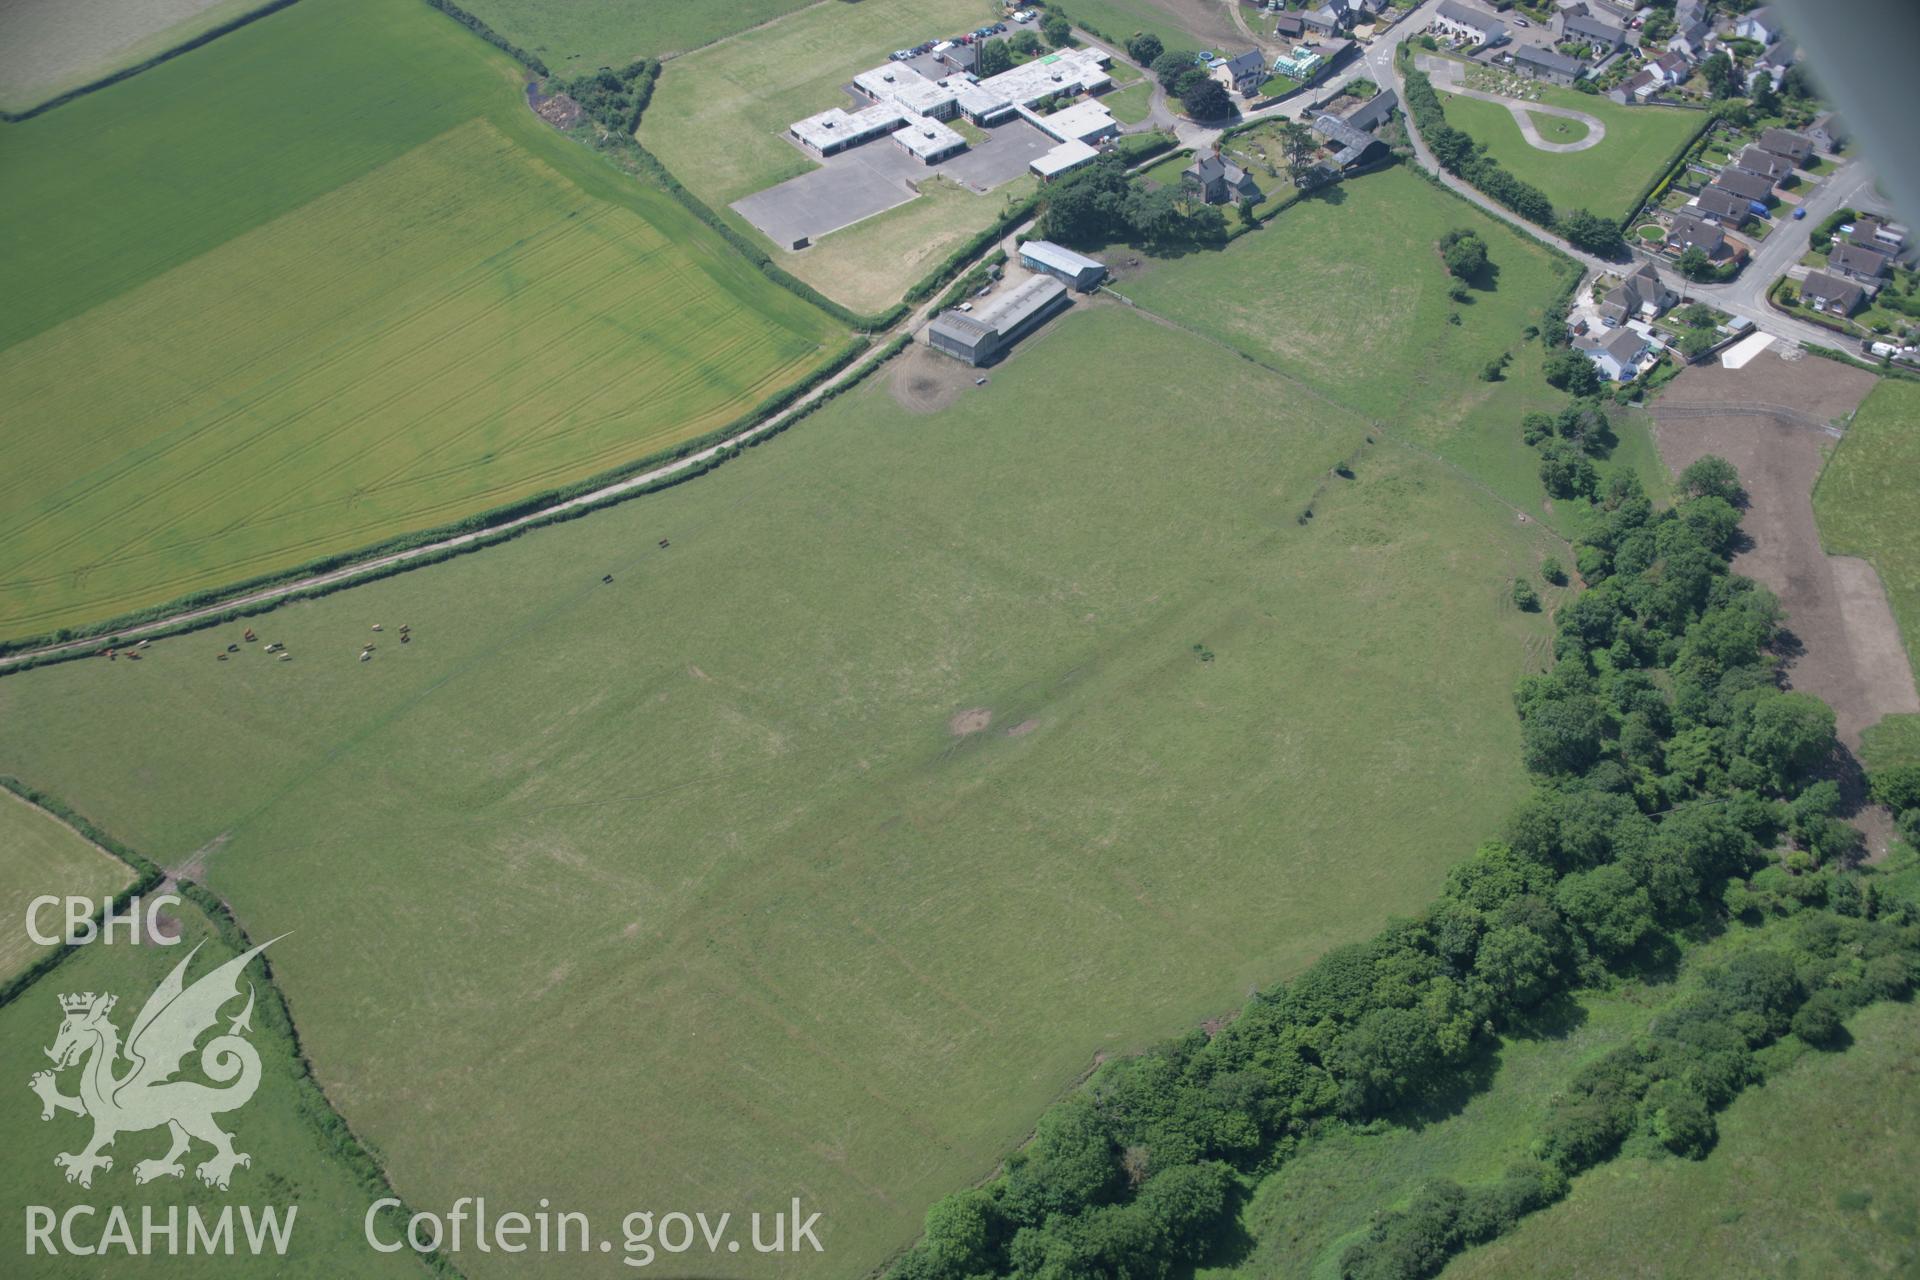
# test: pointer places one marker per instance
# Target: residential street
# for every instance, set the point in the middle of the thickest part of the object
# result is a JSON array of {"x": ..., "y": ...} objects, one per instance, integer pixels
[{"x": 1746, "y": 296}]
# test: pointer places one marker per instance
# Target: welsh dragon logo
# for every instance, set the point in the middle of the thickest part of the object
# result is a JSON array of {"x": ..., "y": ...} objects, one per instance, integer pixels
[{"x": 145, "y": 1095}]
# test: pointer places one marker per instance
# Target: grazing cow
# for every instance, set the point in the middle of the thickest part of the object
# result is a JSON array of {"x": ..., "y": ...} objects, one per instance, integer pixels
[
  {"x": 376, "y": 626},
  {"x": 249, "y": 637},
  {"x": 663, "y": 542},
  {"x": 606, "y": 577}
]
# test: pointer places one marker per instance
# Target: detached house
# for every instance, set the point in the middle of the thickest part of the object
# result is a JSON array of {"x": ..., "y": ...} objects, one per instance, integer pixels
[
  {"x": 1642, "y": 293},
  {"x": 1722, "y": 206},
  {"x": 1765, "y": 164},
  {"x": 1218, "y": 181},
  {"x": 1831, "y": 294},
  {"x": 1617, "y": 355},
  {"x": 1785, "y": 142},
  {"x": 1858, "y": 261},
  {"x": 1760, "y": 26},
  {"x": 1690, "y": 231},
  {"x": 1748, "y": 186},
  {"x": 1243, "y": 73}
]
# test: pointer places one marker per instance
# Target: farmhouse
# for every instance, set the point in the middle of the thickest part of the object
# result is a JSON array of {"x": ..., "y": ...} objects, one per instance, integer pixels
[
  {"x": 1218, "y": 181},
  {"x": 1243, "y": 73},
  {"x": 1690, "y": 231},
  {"x": 1470, "y": 26},
  {"x": 1857, "y": 261},
  {"x": 1076, "y": 269},
  {"x": 1831, "y": 294},
  {"x": 1064, "y": 158},
  {"x": 985, "y": 334},
  {"x": 1545, "y": 64},
  {"x": 1617, "y": 356},
  {"x": 1785, "y": 142}
]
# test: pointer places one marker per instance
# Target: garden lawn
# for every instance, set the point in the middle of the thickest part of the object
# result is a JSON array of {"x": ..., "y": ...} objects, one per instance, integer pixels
[
  {"x": 235, "y": 354},
  {"x": 1361, "y": 315},
  {"x": 719, "y": 118},
  {"x": 1864, "y": 500},
  {"x": 1607, "y": 178},
  {"x": 40, "y": 856},
  {"x": 1132, "y": 104},
  {"x": 815, "y": 854},
  {"x": 571, "y": 37},
  {"x": 1817, "y": 1173},
  {"x": 295, "y": 1163}
]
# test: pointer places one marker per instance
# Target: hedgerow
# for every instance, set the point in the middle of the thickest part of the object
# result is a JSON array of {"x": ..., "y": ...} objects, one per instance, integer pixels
[{"x": 1668, "y": 764}]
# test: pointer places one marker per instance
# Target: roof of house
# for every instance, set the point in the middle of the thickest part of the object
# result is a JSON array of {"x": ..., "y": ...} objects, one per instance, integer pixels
[
  {"x": 1288, "y": 24},
  {"x": 1819, "y": 284},
  {"x": 1864, "y": 228},
  {"x": 1207, "y": 166},
  {"x": 1690, "y": 230},
  {"x": 1781, "y": 53},
  {"x": 1748, "y": 186},
  {"x": 1547, "y": 58},
  {"x": 1059, "y": 257},
  {"x": 1645, "y": 278},
  {"x": 1787, "y": 143},
  {"x": 1242, "y": 65},
  {"x": 1625, "y": 345},
  {"x": 1672, "y": 64},
  {"x": 1858, "y": 258},
  {"x": 1764, "y": 163},
  {"x": 1722, "y": 203},
  {"x": 1468, "y": 16},
  {"x": 1642, "y": 79},
  {"x": 1594, "y": 29}
]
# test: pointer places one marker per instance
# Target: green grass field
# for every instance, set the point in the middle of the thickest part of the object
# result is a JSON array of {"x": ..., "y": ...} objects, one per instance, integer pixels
[
  {"x": 41, "y": 855},
  {"x": 293, "y": 1163},
  {"x": 1132, "y": 104},
  {"x": 1864, "y": 499},
  {"x": 732, "y": 857},
  {"x": 1817, "y": 1173},
  {"x": 1347, "y": 293},
  {"x": 1298, "y": 1221},
  {"x": 1605, "y": 178},
  {"x": 1180, "y": 24},
  {"x": 719, "y": 116},
  {"x": 252, "y": 331},
  {"x": 571, "y": 37}
]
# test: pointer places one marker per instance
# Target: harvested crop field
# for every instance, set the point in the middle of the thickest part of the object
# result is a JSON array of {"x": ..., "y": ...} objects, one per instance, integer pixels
[
  {"x": 482, "y": 315},
  {"x": 1032, "y": 728},
  {"x": 1850, "y": 653}
]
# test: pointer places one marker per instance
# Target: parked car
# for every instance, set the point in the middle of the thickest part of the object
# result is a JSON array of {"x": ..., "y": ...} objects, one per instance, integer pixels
[
  {"x": 900, "y": 55},
  {"x": 1521, "y": 22},
  {"x": 1799, "y": 214}
]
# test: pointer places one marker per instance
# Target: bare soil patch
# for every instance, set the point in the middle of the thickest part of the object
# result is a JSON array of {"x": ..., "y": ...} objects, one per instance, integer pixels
[
  {"x": 924, "y": 381},
  {"x": 1845, "y": 646},
  {"x": 972, "y": 720},
  {"x": 1022, "y": 729}
]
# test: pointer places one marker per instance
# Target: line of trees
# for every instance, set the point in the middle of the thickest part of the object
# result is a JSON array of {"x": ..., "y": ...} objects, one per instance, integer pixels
[
  {"x": 1459, "y": 154},
  {"x": 1668, "y": 763}
]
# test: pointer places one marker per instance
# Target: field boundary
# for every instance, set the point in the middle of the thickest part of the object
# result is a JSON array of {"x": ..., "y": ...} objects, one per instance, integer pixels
[
  {"x": 591, "y": 491},
  {"x": 147, "y": 64},
  {"x": 433, "y": 546},
  {"x": 333, "y": 1129}
]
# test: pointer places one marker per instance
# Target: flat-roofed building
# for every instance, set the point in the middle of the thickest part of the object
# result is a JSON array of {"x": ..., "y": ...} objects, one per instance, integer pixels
[
  {"x": 982, "y": 335},
  {"x": 1088, "y": 122},
  {"x": 927, "y": 140},
  {"x": 834, "y": 130},
  {"x": 1064, "y": 158},
  {"x": 1062, "y": 263}
]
